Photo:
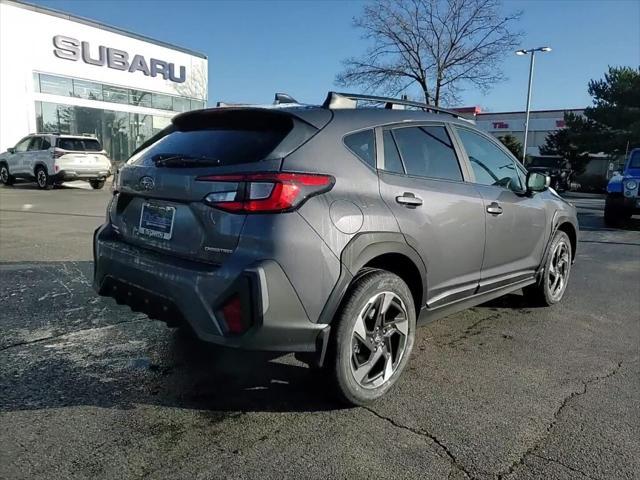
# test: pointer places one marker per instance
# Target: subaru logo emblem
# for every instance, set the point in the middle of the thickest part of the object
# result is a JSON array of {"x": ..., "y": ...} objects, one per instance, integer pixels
[{"x": 146, "y": 183}]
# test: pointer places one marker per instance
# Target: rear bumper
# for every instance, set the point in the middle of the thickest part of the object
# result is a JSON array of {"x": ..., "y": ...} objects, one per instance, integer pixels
[
  {"x": 65, "y": 175},
  {"x": 177, "y": 290}
]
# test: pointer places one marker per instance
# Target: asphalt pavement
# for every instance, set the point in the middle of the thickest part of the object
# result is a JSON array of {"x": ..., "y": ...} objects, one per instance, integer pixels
[{"x": 90, "y": 390}]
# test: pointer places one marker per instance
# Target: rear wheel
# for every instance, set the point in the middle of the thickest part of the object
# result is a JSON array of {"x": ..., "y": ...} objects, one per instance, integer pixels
[
  {"x": 552, "y": 284},
  {"x": 43, "y": 180},
  {"x": 5, "y": 177},
  {"x": 96, "y": 184},
  {"x": 373, "y": 337}
]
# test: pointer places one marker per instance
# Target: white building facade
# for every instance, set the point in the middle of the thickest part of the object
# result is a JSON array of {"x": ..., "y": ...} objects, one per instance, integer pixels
[
  {"x": 541, "y": 123},
  {"x": 60, "y": 73}
]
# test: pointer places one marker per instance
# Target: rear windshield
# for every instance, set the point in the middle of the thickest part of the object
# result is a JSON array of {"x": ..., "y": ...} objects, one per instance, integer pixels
[
  {"x": 218, "y": 139},
  {"x": 79, "y": 144},
  {"x": 212, "y": 147}
]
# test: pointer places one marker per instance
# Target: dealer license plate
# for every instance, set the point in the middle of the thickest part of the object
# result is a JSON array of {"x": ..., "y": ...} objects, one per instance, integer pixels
[{"x": 156, "y": 221}]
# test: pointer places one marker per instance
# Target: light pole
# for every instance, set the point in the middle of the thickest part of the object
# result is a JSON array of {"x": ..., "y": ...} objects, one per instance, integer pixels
[{"x": 531, "y": 51}]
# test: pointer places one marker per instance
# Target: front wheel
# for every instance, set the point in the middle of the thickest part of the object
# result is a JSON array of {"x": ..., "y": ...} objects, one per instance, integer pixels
[
  {"x": 552, "y": 284},
  {"x": 96, "y": 184},
  {"x": 373, "y": 338},
  {"x": 43, "y": 180}
]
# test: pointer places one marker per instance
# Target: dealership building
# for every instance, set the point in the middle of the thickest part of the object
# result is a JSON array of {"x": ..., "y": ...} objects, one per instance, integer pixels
[
  {"x": 499, "y": 124},
  {"x": 61, "y": 73}
]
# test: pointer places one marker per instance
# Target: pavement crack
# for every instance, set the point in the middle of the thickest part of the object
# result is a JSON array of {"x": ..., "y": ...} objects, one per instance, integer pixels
[
  {"x": 64, "y": 334},
  {"x": 558, "y": 462},
  {"x": 554, "y": 420},
  {"x": 423, "y": 433}
]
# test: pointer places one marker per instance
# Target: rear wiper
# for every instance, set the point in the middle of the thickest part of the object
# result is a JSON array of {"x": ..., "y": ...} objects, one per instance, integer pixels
[{"x": 184, "y": 161}]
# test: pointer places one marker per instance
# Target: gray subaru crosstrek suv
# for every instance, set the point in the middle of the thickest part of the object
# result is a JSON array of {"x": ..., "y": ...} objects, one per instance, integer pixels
[{"x": 328, "y": 231}]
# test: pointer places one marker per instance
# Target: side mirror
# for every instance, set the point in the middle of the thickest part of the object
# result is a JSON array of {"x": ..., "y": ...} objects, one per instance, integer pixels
[
  {"x": 537, "y": 182},
  {"x": 11, "y": 150}
]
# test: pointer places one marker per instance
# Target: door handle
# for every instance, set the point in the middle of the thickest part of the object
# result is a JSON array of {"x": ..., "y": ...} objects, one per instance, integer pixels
[
  {"x": 409, "y": 199},
  {"x": 494, "y": 208}
]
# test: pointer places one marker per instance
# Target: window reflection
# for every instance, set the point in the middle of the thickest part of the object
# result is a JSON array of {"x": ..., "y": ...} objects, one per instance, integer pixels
[
  {"x": 119, "y": 132},
  {"x": 68, "y": 87},
  {"x": 89, "y": 90},
  {"x": 56, "y": 85},
  {"x": 115, "y": 94}
]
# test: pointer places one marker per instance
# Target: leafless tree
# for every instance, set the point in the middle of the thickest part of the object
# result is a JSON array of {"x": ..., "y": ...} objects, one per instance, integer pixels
[{"x": 438, "y": 45}]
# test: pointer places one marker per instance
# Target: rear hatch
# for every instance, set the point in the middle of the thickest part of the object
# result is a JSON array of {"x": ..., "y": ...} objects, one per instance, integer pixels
[
  {"x": 164, "y": 191},
  {"x": 80, "y": 154}
]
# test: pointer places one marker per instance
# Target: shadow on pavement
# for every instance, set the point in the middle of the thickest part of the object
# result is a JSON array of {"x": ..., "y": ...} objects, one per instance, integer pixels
[{"x": 102, "y": 354}]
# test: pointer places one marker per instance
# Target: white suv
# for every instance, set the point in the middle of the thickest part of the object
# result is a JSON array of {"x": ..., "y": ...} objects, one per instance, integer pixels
[{"x": 51, "y": 158}]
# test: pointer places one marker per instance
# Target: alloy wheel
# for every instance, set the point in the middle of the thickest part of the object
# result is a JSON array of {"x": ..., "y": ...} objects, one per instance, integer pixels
[
  {"x": 4, "y": 175},
  {"x": 42, "y": 178},
  {"x": 379, "y": 339},
  {"x": 559, "y": 270}
]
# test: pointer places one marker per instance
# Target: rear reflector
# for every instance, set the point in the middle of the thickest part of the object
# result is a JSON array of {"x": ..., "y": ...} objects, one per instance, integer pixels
[
  {"x": 232, "y": 315},
  {"x": 265, "y": 192}
]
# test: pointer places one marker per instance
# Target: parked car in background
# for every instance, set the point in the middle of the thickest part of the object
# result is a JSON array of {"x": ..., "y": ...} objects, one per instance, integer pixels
[
  {"x": 556, "y": 168},
  {"x": 329, "y": 230},
  {"x": 623, "y": 200},
  {"x": 50, "y": 159}
]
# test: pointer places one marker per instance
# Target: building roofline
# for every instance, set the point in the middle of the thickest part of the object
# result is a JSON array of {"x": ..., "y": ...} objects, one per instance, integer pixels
[
  {"x": 100, "y": 25},
  {"x": 532, "y": 111}
]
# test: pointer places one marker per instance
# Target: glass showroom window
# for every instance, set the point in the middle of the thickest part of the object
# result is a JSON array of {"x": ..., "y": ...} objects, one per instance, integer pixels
[
  {"x": 120, "y": 132},
  {"x": 162, "y": 102},
  {"x": 140, "y": 98},
  {"x": 196, "y": 104},
  {"x": 181, "y": 104},
  {"x": 115, "y": 94},
  {"x": 88, "y": 90},
  {"x": 56, "y": 85}
]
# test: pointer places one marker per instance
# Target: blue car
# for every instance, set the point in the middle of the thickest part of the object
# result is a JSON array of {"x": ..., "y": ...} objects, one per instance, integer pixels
[{"x": 622, "y": 192}]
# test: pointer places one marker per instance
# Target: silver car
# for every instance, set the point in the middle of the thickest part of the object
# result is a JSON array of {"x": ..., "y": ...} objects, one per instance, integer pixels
[
  {"x": 329, "y": 231},
  {"x": 51, "y": 158}
]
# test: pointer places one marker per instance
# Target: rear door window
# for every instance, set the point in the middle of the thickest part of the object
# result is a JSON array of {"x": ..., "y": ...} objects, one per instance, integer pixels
[
  {"x": 363, "y": 145},
  {"x": 392, "y": 162},
  {"x": 35, "y": 144},
  {"x": 427, "y": 151}
]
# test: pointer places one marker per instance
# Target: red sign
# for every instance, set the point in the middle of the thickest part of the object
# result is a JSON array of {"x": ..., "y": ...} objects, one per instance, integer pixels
[{"x": 500, "y": 125}]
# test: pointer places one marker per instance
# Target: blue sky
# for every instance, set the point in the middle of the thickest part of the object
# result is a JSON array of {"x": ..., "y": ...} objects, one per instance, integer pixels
[{"x": 256, "y": 48}]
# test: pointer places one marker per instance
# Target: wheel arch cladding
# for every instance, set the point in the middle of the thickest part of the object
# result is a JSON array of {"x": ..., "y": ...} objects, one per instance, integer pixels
[
  {"x": 570, "y": 230},
  {"x": 403, "y": 267},
  {"x": 38, "y": 165},
  {"x": 388, "y": 251}
]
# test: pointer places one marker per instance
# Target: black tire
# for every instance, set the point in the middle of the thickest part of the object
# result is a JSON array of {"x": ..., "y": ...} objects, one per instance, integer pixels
[
  {"x": 545, "y": 292},
  {"x": 43, "y": 180},
  {"x": 612, "y": 214},
  {"x": 5, "y": 177},
  {"x": 387, "y": 343},
  {"x": 96, "y": 184}
]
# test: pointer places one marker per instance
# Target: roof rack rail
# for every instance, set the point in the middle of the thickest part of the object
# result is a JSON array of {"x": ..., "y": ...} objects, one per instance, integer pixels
[{"x": 350, "y": 100}]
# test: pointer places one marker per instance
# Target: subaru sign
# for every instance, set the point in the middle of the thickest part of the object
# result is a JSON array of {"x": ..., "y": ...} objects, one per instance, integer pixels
[{"x": 72, "y": 49}]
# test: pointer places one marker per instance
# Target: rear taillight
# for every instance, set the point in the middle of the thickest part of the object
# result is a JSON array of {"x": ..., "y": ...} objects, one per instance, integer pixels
[
  {"x": 265, "y": 192},
  {"x": 57, "y": 153}
]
